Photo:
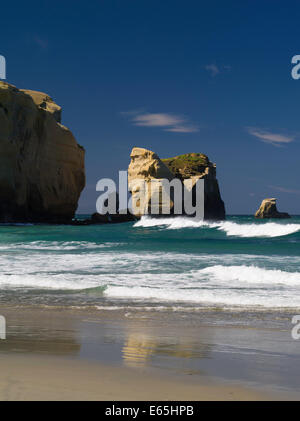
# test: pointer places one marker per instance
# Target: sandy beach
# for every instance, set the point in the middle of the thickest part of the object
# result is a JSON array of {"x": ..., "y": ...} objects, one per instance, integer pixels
[
  {"x": 73, "y": 354},
  {"x": 26, "y": 377}
]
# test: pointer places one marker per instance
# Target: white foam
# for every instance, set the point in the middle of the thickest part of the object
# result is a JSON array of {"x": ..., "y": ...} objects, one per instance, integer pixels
[
  {"x": 171, "y": 223},
  {"x": 268, "y": 229},
  {"x": 215, "y": 285},
  {"x": 56, "y": 245},
  {"x": 261, "y": 229},
  {"x": 47, "y": 282},
  {"x": 251, "y": 275},
  {"x": 212, "y": 298},
  {"x": 200, "y": 279}
]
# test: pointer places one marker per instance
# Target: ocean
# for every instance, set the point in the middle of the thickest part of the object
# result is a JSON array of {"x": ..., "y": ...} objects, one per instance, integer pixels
[{"x": 174, "y": 264}]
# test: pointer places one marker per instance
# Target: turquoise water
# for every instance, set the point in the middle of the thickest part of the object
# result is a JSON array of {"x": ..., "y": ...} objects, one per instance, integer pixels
[{"x": 156, "y": 263}]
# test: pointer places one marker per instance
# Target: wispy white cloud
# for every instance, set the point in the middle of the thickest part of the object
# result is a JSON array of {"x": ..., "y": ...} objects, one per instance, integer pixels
[
  {"x": 274, "y": 139},
  {"x": 42, "y": 43},
  {"x": 214, "y": 70},
  {"x": 165, "y": 121},
  {"x": 183, "y": 129},
  {"x": 285, "y": 190},
  {"x": 156, "y": 120}
]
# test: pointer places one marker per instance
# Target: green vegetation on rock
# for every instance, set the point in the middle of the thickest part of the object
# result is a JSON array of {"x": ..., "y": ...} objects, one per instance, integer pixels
[{"x": 187, "y": 165}]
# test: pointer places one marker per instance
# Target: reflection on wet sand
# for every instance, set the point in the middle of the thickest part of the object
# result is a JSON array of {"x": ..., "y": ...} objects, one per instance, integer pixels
[
  {"x": 49, "y": 333},
  {"x": 140, "y": 348},
  {"x": 137, "y": 349}
]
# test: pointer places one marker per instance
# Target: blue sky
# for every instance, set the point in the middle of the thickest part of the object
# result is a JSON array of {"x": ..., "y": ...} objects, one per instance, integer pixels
[{"x": 172, "y": 76}]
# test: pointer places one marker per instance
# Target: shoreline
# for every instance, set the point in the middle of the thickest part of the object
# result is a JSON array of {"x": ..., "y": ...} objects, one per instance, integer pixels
[{"x": 71, "y": 354}]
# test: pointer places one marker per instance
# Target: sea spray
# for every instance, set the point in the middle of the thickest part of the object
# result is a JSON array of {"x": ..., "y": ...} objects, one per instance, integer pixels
[{"x": 268, "y": 229}]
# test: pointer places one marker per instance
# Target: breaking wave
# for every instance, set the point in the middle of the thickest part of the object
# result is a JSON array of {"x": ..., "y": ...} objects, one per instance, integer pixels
[
  {"x": 218, "y": 285},
  {"x": 266, "y": 229}
]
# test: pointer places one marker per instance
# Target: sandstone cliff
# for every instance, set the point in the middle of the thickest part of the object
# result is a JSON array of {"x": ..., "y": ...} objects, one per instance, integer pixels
[
  {"x": 146, "y": 165},
  {"x": 41, "y": 165},
  {"x": 268, "y": 209}
]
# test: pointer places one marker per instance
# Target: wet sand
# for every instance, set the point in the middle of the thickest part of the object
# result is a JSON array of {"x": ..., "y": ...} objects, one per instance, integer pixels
[{"x": 88, "y": 354}]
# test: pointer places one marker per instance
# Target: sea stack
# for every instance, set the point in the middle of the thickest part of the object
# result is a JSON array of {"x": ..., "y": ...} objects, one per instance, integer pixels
[
  {"x": 147, "y": 165},
  {"x": 41, "y": 165},
  {"x": 268, "y": 209}
]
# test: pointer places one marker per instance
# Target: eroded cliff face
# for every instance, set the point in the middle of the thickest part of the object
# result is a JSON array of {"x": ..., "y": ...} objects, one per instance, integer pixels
[
  {"x": 148, "y": 166},
  {"x": 41, "y": 165},
  {"x": 268, "y": 209}
]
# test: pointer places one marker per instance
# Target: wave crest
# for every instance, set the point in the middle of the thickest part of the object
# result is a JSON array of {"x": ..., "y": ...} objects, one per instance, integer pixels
[{"x": 267, "y": 229}]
